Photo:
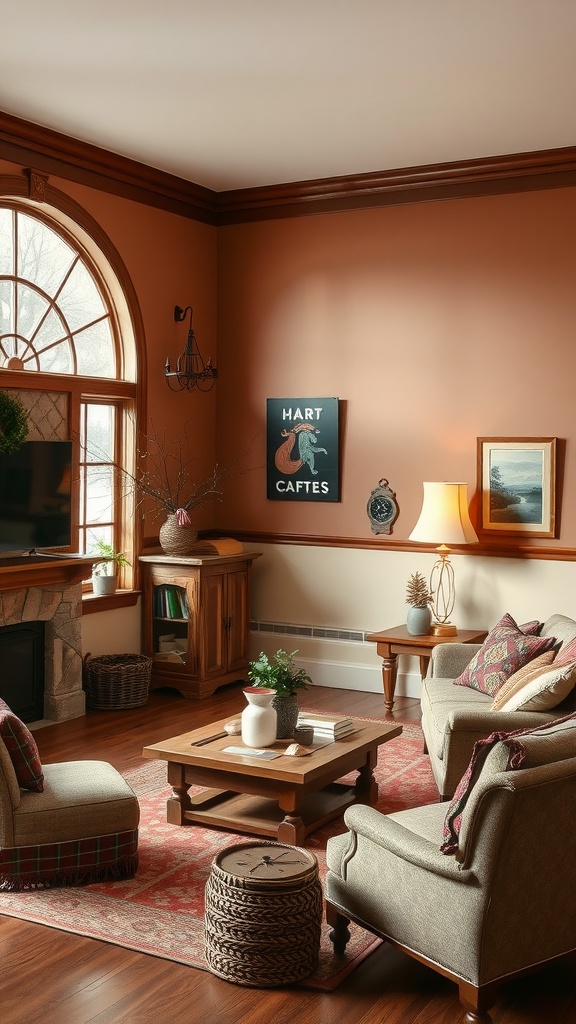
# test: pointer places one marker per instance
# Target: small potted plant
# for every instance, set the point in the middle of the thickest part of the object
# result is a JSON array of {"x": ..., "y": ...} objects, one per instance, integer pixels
[
  {"x": 419, "y": 598},
  {"x": 279, "y": 673},
  {"x": 105, "y": 570}
]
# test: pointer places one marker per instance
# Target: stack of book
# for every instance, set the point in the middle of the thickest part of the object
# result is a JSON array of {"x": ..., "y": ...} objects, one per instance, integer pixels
[
  {"x": 327, "y": 727},
  {"x": 170, "y": 602}
]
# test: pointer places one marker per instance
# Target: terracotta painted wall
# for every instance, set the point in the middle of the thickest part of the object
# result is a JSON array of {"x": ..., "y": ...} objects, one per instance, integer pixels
[{"x": 434, "y": 324}]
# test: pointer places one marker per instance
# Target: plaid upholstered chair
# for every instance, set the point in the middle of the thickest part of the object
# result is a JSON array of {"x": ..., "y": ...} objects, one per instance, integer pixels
[
  {"x": 61, "y": 824},
  {"x": 481, "y": 889}
]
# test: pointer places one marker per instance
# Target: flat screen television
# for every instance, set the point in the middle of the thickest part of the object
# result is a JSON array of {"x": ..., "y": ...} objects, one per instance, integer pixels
[{"x": 35, "y": 497}]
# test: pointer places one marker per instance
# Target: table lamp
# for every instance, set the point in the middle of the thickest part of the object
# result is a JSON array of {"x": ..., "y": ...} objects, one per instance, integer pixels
[{"x": 444, "y": 520}]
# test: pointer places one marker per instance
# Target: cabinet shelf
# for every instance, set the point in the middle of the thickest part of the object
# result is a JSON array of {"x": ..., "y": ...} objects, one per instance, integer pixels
[{"x": 213, "y": 638}]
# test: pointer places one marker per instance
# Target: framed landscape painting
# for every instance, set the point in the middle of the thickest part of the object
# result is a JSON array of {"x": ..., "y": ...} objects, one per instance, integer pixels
[{"x": 517, "y": 485}]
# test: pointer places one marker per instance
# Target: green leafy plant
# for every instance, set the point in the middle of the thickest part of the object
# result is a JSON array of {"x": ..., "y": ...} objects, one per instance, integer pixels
[
  {"x": 110, "y": 562},
  {"x": 417, "y": 592},
  {"x": 13, "y": 423},
  {"x": 278, "y": 673}
]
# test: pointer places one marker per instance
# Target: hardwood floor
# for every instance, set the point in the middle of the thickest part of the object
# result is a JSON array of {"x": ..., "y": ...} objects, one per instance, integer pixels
[{"x": 51, "y": 977}]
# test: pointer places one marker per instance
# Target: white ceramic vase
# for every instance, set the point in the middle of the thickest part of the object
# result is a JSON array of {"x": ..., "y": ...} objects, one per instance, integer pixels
[{"x": 259, "y": 717}]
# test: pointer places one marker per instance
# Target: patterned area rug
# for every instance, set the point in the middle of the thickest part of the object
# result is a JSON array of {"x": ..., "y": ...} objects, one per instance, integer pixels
[{"x": 160, "y": 911}]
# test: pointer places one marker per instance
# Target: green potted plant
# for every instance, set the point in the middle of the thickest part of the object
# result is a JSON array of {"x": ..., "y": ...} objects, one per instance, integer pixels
[
  {"x": 279, "y": 673},
  {"x": 105, "y": 570},
  {"x": 419, "y": 598}
]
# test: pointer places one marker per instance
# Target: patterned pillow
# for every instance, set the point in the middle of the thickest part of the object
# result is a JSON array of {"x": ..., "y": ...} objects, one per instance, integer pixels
[
  {"x": 23, "y": 751},
  {"x": 506, "y": 649}
]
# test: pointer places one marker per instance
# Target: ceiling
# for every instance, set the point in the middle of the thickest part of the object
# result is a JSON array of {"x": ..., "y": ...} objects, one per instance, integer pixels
[{"x": 240, "y": 93}]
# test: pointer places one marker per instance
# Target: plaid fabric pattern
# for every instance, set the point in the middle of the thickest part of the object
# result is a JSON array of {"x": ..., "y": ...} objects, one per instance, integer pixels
[
  {"x": 505, "y": 650},
  {"x": 77, "y": 862},
  {"x": 23, "y": 751}
]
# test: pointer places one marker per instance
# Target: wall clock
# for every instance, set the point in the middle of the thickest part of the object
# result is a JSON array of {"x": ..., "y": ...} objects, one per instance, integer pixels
[{"x": 382, "y": 508}]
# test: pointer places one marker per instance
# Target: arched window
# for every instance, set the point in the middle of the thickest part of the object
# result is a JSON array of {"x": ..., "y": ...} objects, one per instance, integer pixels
[{"x": 67, "y": 338}]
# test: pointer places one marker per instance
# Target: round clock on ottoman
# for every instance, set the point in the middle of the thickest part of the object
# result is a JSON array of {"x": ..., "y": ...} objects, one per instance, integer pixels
[{"x": 263, "y": 914}]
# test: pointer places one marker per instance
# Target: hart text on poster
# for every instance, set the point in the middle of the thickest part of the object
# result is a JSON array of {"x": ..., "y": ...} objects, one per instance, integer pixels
[{"x": 302, "y": 459}]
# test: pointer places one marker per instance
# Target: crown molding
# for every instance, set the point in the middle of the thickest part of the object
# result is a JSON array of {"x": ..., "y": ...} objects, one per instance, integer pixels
[
  {"x": 51, "y": 152},
  {"x": 46, "y": 150},
  {"x": 520, "y": 172}
]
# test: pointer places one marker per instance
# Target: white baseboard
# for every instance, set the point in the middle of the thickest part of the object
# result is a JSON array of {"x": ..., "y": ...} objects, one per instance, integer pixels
[
  {"x": 359, "y": 677},
  {"x": 337, "y": 661}
]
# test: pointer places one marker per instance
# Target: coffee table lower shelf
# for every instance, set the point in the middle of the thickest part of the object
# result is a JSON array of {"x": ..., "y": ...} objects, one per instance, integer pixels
[{"x": 261, "y": 816}]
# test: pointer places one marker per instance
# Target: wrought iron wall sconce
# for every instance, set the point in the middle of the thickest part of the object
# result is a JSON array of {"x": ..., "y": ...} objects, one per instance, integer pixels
[{"x": 191, "y": 370}]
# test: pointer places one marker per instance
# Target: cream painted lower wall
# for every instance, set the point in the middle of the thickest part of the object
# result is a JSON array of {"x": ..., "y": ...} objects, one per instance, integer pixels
[
  {"x": 112, "y": 632},
  {"x": 358, "y": 590},
  {"x": 349, "y": 589}
]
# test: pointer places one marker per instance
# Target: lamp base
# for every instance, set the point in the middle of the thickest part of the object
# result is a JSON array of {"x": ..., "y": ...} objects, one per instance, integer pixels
[{"x": 443, "y": 629}]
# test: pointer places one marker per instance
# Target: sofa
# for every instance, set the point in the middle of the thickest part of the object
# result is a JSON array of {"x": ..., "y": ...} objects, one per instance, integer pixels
[{"x": 456, "y": 713}]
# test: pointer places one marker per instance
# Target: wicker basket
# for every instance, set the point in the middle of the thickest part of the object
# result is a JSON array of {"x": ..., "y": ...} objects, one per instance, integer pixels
[{"x": 117, "y": 682}]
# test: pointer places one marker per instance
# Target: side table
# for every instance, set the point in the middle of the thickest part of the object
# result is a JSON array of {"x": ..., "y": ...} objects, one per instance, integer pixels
[{"x": 392, "y": 642}]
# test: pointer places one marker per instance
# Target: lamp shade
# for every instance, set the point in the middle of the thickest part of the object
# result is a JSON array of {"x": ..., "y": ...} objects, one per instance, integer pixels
[{"x": 444, "y": 518}]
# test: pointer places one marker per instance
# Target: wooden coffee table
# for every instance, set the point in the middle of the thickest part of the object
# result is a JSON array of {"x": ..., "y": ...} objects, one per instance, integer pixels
[{"x": 286, "y": 798}]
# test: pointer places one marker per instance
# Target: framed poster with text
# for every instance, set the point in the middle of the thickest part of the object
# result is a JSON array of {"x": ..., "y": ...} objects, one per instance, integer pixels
[{"x": 302, "y": 449}]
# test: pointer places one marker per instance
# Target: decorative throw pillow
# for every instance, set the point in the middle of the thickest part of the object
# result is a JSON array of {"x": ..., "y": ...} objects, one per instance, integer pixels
[
  {"x": 505, "y": 751},
  {"x": 506, "y": 649},
  {"x": 531, "y": 628},
  {"x": 23, "y": 751},
  {"x": 540, "y": 690},
  {"x": 516, "y": 681}
]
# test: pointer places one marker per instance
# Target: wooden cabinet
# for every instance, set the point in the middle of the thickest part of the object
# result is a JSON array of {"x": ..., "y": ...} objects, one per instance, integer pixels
[{"x": 197, "y": 620}]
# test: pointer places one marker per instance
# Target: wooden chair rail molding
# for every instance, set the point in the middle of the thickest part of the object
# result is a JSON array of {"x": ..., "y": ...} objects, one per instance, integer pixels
[
  {"x": 51, "y": 152},
  {"x": 502, "y": 549}
]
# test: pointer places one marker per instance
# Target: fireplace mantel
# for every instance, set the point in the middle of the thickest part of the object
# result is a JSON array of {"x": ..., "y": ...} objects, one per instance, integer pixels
[{"x": 43, "y": 571}]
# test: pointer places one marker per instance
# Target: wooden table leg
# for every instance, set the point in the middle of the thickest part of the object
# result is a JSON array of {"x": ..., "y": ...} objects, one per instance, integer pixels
[
  {"x": 179, "y": 802},
  {"x": 366, "y": 786},
  {"x": 389, "y": 673},
  {"x": 424, "y": 662},
  {"x": 291, "y": 829}
]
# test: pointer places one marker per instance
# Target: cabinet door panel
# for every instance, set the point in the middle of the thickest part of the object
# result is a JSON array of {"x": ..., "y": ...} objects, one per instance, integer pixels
[
  {"x": 213, "y": 618},
  {"x": 238, "y": 620}
]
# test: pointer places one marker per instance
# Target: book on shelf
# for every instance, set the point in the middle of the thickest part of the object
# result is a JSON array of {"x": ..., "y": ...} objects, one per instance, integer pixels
[{"x": 170, "y": 601}]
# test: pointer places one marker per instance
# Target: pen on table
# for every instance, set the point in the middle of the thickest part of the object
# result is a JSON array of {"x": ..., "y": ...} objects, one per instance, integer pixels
[{"x": 208, "y": 739}]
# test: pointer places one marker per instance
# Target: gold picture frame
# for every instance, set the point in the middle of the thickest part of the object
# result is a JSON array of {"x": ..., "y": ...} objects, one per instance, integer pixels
[{"x": 517, "y": 485}]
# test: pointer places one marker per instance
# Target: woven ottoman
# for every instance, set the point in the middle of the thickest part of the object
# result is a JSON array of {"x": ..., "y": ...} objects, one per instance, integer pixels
[{"x": 263, "y": 914}]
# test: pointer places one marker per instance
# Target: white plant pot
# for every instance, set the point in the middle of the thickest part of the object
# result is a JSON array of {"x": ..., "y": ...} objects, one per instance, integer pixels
[{"x": 102, "y": 585}]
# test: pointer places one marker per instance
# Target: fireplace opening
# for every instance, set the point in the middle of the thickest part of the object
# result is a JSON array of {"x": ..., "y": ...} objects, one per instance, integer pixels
[{"x": 22, "y": 669}]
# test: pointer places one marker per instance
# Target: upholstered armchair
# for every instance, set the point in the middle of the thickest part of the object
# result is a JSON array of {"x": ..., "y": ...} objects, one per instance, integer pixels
[
  {"x": 481, "y": 889},
  {"x": 61, "y": 824}
]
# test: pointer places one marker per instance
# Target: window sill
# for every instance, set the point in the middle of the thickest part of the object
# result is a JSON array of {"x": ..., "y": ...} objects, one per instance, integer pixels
[{"x": 121, "y": 599}]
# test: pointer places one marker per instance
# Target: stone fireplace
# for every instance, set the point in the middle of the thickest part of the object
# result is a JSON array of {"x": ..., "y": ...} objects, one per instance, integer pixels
[{"x": 36, "y": 589}]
